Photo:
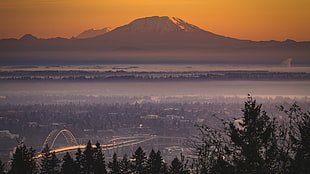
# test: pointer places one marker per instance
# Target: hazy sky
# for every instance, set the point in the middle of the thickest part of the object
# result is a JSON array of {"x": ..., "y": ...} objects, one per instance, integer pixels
[{"x": 244, "y": 19}]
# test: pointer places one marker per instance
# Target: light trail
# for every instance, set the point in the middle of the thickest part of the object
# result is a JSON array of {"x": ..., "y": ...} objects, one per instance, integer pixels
[
  {"x": 122, "y": 138},
  {"x": 104, "y": 147},
  {"x": 134, "y": 140}
]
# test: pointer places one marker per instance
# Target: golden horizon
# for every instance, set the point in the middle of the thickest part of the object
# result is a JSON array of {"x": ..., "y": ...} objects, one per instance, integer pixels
[{"x": 251, "y": 20}]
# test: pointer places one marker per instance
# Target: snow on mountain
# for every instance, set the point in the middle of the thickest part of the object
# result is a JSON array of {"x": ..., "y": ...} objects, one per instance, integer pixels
[
  {"x": 93, "y": 33},
  {"x": 158, "y": 24},
  {"x": 184, "y": 25}
]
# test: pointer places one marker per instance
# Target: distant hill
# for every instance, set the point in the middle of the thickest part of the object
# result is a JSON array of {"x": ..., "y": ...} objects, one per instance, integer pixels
[
  {"x": 93, "y": 33},
  {"x": 28, "y": 37},
  {"x": 151, "y": 40}
]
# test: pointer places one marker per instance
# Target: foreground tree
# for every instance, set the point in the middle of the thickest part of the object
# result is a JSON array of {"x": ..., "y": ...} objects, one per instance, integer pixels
[
  {"x": 125, "y": 165},
  {"x": 114, "y": 165},
  {"x": 49, "y": 162},
  {"x": 211, "y": 148},
  {"x": 1, "y": 167},
  {"x": 296, "y": 142},
  {"x": 138, "y": 161},
  {"x": 23, "y": 161},
  {"x": 249, "y": 144},
  {"x": 254, "y": 140},
  {"x": 256, "y": 143},
  {"x": 78, "y": 162},
  {"x": 178, "y": 166},
  {"x": 67, "y": 166},
  {"x": 155, "y": 164},
  {"x": 88, "y": 159},
  {"x": 99, "y": 160}
]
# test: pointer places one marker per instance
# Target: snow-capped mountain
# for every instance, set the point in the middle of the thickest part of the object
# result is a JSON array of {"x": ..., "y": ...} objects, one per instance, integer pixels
[
  {"x": 162, "y": 32},
  {"x": 93, "y": 33},
  {"x": 153, "y": 39},
  {"x": 158, "y": 24}
]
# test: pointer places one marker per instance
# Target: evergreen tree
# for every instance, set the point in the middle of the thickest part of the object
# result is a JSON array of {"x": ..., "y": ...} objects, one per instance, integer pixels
[
  {"x": 1, "y": 167},
  {"x": 298, "y": 145},
  {"x": 302, "y": 158},
  {"x": 114, "y": 165},
  {"x": 221, "y": 167},
  {"x": 99, "y": 160},
  {"x": 125, "y": 165},
  {"x": 88, "y": 159},
  {"x": 139, "y": 161},
  {"x": 67, "y": 166},
  {"x": 211, "y": 148},
  {"x": 78, "y": 162},
  {"x": 254, "y": 140},
  {"x": 178, "y": 166},
  {"x": 155, "y": 164},
  {"x": 255, "y": 143},
  {"x": 23, "y": 161},
  {"x": 49, "y": 161}
]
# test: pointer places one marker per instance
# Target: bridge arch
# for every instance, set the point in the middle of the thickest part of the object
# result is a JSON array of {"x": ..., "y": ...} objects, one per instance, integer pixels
[{"x": 53, "y": 136}]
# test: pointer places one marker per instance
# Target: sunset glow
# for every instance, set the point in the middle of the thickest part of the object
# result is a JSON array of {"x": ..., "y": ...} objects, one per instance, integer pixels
[{"x": 255, "y": 20}]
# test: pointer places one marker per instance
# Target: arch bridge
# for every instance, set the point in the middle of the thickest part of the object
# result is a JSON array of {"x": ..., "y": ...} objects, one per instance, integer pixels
[{"x": 53, "y": 136}]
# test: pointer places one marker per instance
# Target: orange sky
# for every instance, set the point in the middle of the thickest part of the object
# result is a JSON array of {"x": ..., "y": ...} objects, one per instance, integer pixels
[{"x": 243, "y": 19}]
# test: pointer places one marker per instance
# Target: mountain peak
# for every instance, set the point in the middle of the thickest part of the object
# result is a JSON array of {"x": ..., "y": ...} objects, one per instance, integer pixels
[
  {"x": 28, "y": 37},
  {"x": 158, "y": 24}
]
